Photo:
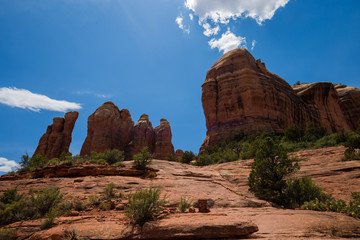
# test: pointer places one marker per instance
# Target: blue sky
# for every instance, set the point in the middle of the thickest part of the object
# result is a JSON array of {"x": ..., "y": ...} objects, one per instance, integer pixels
[{"x": 152, "y": 57}]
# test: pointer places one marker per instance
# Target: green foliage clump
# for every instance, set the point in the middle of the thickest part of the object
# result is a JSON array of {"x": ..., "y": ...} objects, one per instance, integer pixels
[
  {"x": 15, "y": 207},
  {"x": 187, "y": 157},
  {"x": 37, "y": 161},
  {"x": 108, "y": 191},
  {"x": 145, "y": 205},
  {"x": 108, "y": 157},
  {"x": 352, "y": 145},
  {"x": 49, "y": 220},
  {"x": 171, "y": 157},
  {"x": 294, "y": 133},
  {"x": 271, "y": 166},
  {"x": 142, "y": 159},
  {"x": 104, "y": 206},
  {"x": 331, "y": 205},
  {"x": 8, "y": 234},
  {"x": 300, "y": 190},
  {"x": 52, "y": 162},
  {"x": 94, "y": 200},
  {"x": 184, "y": 204}
]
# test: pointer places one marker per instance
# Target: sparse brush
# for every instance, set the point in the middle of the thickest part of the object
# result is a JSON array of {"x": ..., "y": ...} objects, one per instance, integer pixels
[
  {"x": 142, "y": 159},
  {"x": 108, "y": 191},
  {"x": 72, "y": 235},
  {"x": 105, "y": 206},
  {"x": 184, "y": 204},
  {"x": 145, "y": 205},
  {"x": 93, "y": 200},
  {"x": 49, "y": 220},
  {"x": 8, "y": 234}
]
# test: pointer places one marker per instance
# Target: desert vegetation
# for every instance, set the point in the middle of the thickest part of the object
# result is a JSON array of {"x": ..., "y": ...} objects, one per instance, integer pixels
[{"x": 142, "y": 158}]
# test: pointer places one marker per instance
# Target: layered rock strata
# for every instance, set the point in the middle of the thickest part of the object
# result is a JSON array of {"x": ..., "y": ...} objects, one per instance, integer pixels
[
  {"x": 241, "y": 96},
  {"x": 57, "y": 138},
  {"x": 111, "y": 128}
]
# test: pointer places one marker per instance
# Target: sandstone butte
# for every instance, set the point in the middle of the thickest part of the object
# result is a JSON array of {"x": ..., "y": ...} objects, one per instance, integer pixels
[
  {"x": 111, "y": 128},
  {"x": 240, "y": 96},
  {"x": 234, "y": 211},
  {"x": 57, "y": 138}
]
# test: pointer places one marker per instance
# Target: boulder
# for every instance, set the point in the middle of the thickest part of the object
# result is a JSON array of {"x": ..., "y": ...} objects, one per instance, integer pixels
[{"x": 57, "y": 138}]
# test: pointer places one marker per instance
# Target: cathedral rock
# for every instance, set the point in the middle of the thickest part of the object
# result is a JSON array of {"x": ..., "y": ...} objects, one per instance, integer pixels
[
  {"x": 240, "y": 95},
  {"x": 111, "y": 128}
]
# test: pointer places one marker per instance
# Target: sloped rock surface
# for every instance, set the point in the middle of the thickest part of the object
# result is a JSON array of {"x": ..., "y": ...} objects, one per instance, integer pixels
[
  {"x": 57, "y": 138},
  {"x": 233, "y": 208}
]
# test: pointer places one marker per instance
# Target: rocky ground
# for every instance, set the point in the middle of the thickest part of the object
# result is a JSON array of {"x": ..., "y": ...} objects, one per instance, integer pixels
[{"x": 235, "y": 212}]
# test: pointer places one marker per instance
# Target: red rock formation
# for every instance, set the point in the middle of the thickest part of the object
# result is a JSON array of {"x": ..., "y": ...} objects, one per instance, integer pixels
[
  {"x": 143, "y": 136},
  {"x": 163, "y": 145},
  {"x": 57, "y": 138},
  {"x": 240, "y": 95},
  {"x": 350, "y": 104},
  {"x": 323, "y": 100},
  {"x": 108, "y": 128}
]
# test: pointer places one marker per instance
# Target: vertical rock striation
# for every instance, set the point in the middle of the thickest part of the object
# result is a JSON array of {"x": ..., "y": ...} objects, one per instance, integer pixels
[
  {"x": 110, "y": 128},
  {"x": 57, "y": 138},
  {"x": 240, "y": 96}
]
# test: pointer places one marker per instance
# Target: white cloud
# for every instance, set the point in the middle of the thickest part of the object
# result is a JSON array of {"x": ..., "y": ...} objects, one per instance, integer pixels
[
  {"x": 25, "y": 99},
  {"x": 253, "y": 44},
  {"x": 191, "y": 16},
  {"x": 224, "y": 10},
  {"x": 209, "y": 30},
  {"x": 179, "y": 20},
  {"x": 99, "y": 95},
  {"x": 227, "y": 42},
  {"x": 7, "y": 165}
]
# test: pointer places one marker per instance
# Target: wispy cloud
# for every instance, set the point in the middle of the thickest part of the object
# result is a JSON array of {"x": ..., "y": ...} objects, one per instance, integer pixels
[
  {"x": 215, "y": 16},
  {"x": 180, "y": 21},
  {"x": 25, "y": 99},
  {"x": 253, "y": 44},
  {"x": 99, "y": 95},
  {"x": 227, "y": 42},
  {"x": 7, "y": 165}
]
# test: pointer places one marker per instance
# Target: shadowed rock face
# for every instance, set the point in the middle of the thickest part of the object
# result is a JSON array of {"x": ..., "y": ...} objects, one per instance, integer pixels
[
  {"x": 163, "y": 145},
  {"x": 240, "y": 95},
  {"x": 57, "y": 138},
  {"x": 349, "y": 103},
  {"x": 110, "y": 128}
]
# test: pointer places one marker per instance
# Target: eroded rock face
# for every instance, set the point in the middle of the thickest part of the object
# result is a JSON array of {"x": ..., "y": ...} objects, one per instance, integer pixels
[
  {"x": 350, "y": 104},
  {"x": 240, "y": 96},
  {"x": 111, "y": 128},
  {"x": 323, "y": 101},
  {"x": 108, "y": 128},
  {"x": 143, "y": 136},
  {"x": 163, "y": 145},
  {"x": 57, "y": 138}
]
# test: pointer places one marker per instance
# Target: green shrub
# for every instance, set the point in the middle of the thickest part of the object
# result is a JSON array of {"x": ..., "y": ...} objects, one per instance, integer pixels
[
  {"x": 78, "y": 205},
  {"x": 171, "y": 157},
  {"x": 66, "y": 207},
  {"x": 105, "y": 206},
  {"x": 108, "y": 191},
  {"x": 113, "y": 156},
  {"x": 184, "y": 204},
  {"x": 68, "y": 162},
  {"x": 205, "y": 159},
  {"x": 187, "y": 157},
  {"x": 300, "y": 190},
  {"x": 64, "y": 156},
  {"x": 25, "y": 161},
  {"x": 294, "y": 133},
  {"x": 271, "y": 166},
  {"x": 71, "y": 235},
  {"x": 142, "y": 159},
  {"x": 352, "y": 145},
  {"x": 45, "y": 200},
  {"x": 37, "y": 161},
  {"x": 326, "y": 141},
  {"x": 94, "y": 200},
  {"x": 145, "y": 204},
  {"x": 54, "y": 161},
  {"x": 313, "y": 133},
  {"x": 49, "y": 220},
  {"x": 10, "y": 196},
  {"x": 119, "y": 164},
  {"x": 8, "y": 234}
]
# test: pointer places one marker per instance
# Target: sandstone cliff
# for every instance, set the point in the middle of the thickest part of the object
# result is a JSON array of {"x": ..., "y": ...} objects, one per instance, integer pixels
[
  {"x": 349, "y": 103},
  {"x": 111, "y": 128},
  {"x": 240, "y": 95},
  {"x": 57, "y": 138}
]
